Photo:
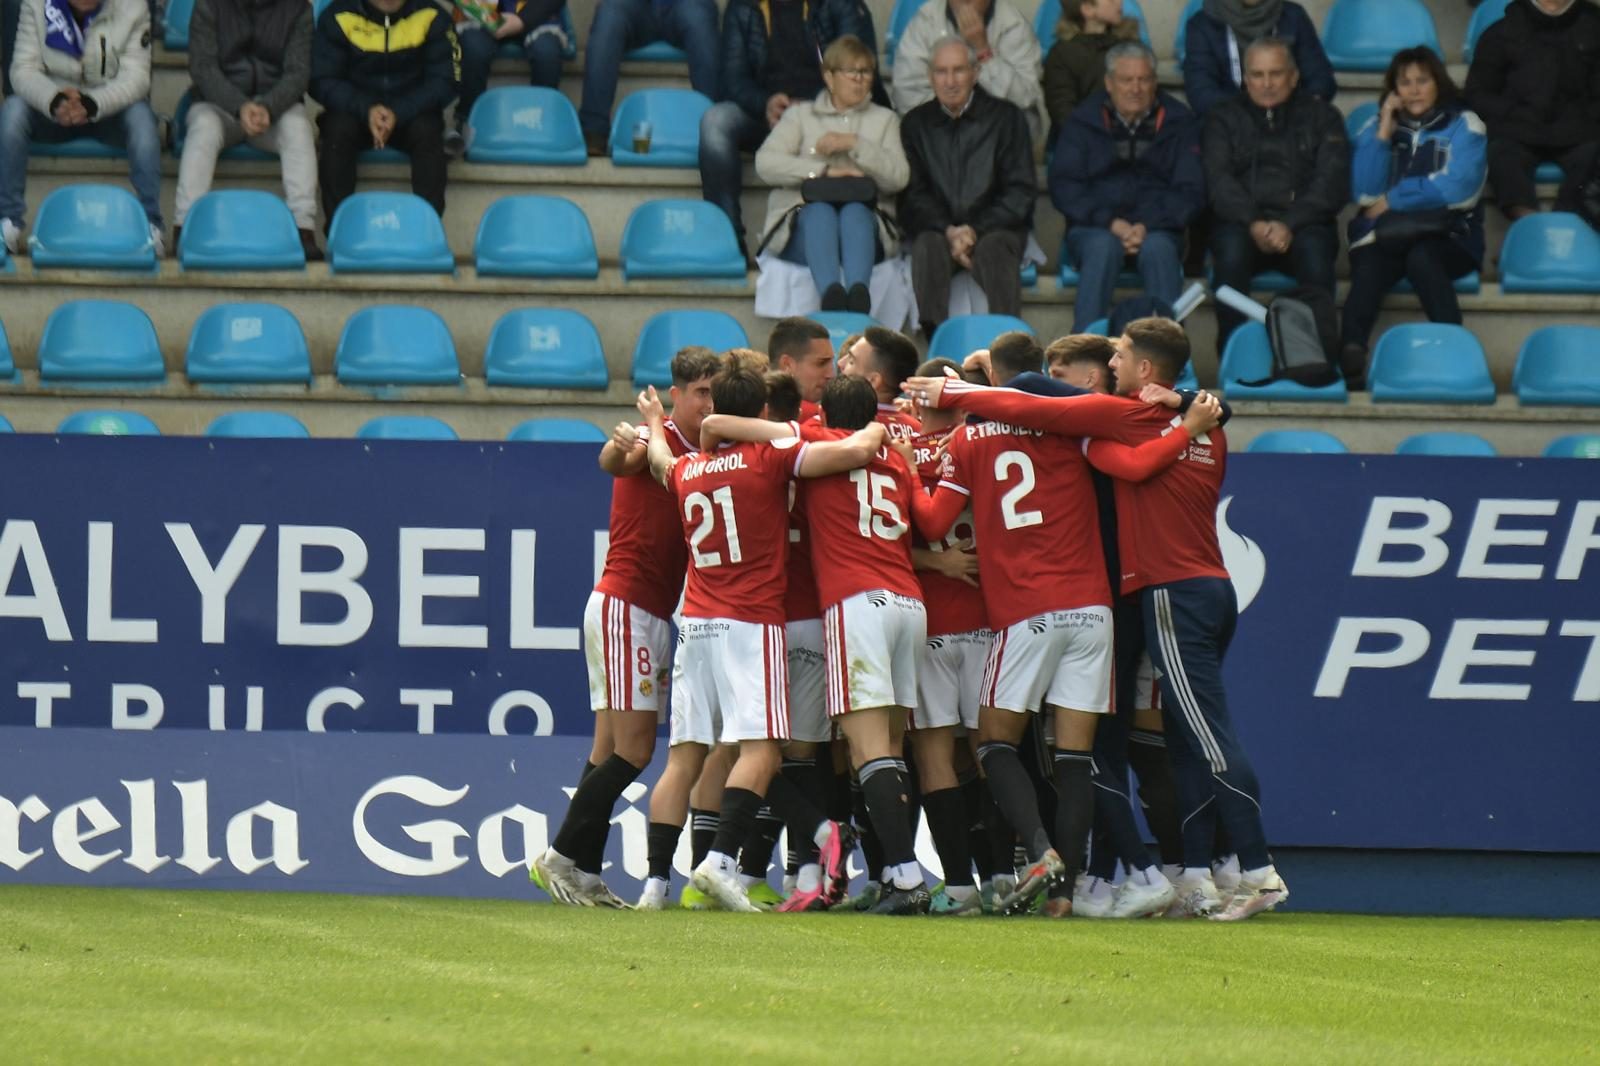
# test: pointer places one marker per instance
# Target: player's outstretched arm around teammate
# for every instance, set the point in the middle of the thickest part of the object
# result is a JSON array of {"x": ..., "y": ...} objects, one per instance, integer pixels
[{"x": 1141, "y": 463}]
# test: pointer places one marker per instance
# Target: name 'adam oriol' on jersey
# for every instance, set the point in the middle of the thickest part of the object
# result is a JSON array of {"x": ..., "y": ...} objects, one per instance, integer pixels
[
  {"x": 647, "y": 555},
  {"x": 734, "y": 507},
  {"x": 953, "y": 606}
]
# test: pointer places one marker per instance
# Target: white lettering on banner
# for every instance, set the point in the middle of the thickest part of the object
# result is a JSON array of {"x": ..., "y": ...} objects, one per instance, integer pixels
[
  {"x": 1431, "y": 552},
  {"x": 19, "y": 542},
  {"x": 214, "y": 582},
  {"x": 338, "y": 696},
  {"x": 294, "y": 582},
  {"x": 69, "y": 839},
  {"x": 1461, "y": 651},
  {"x": 43, "y": 694},
  {"x": 284, "y": 825},
  {"x": 1486, "y": 534},
  {"x": 602, "y": 548},
  {"x": 1241, "y": 557},
  {"x": 525, "y": 634},
  {"x": 103, "y": 626},
  {"x": 217, "y": 708},
  {"x": 1379, "y": 533},
  {"x": 1344, "y": 654},
  {"x": 491, "y": 839},
  {"x": 11, "y": 816},
  {"x": 417, "y": 585},
  {"x": 439, "y": 835},
  {"x": 544, "y": 715},
  {"x": 123, "y": 696},
  {"x": 425, "y": 700},
  {"x": 142, "y": 852},
  {"x": 1588, "y": 687},
  {"x": 1581, "y": 540},
  {"x": 196, "y": 816}
]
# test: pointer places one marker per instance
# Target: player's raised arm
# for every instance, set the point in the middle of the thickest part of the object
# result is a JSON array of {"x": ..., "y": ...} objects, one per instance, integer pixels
[
  {"x": 715, "y": 429},
  {"x": 1153, "y": 456},
  {"x": 660, "y": 454},
  {"x": 624, "y": 454},
  {"x": 1073, "y": 416},
  {"x": 1180, "y": 399},
  {"x": 822, "y": 458}
]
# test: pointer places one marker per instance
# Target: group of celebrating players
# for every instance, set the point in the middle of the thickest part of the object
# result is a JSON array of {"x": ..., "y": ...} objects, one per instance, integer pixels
[{"x": 904, "y": 587}]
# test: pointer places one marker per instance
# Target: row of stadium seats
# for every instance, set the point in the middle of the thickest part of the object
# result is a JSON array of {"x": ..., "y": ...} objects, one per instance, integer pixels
[
  {"x": 1317, "y": 442},
  {"x": 277, "y": 424}
]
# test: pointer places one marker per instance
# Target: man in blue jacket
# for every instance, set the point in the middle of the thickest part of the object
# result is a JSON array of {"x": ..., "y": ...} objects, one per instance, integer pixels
[
  {"x": 1127, "y": 175},
  {"x": 384, "y": 71},
  {"x": 1219, "y": 33}
]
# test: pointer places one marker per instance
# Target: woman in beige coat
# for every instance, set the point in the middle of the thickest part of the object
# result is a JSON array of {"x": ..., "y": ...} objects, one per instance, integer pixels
[{"x": 840, "y": 134}]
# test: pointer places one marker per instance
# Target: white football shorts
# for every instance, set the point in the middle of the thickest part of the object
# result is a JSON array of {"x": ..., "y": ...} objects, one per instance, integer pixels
[
  {"x": 871, "y": 642},
  {"x": 951, "y": 679},
  {"x": 730, "y": 682},
  {"x": 628, "y": 651},
  {"x": 1063, "y": 658}
]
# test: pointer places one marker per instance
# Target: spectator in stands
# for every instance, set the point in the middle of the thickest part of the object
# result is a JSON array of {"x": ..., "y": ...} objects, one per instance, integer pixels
[
  {"x": 969, "y": 202},
  {"x": 383, "y": 82},
  {"x": 9, "y": 12},
  {"x": 1219, "y": 33},
  {"x": 1127, "y": 176},
  {"x": 1076, "y": 65},
  {"x": 61, "y": 95},
  {"x": 622, "y": 25},
  {"x": 771, "y": 58},
  {"x": 251, "y": 65},
  {"x": 1535, "y": 80},
  {"x": 533, "y": 26},
  {"x": 842, "y": 134},
  {"x": 1417, "y": 175},
  {"x": 1003, "y": 41},
  {"x": 1277, "y": 166}
]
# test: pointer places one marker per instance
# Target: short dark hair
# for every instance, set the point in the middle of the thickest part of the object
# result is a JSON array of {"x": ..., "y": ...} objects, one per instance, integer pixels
[
  {"x": 783, "y": 396},
  {"x": 739, "y": 390},
  {"x": 936, "y": 367},
  {"x": 791, "y": 336},
  {"x": 1015, "y": 353},
  {"x": 893, "y": 354},
  {"x": 1426, "y": 58},
  {"x": 849, "y": 403},
  {"x": 1163, "y": 342},
  {"x": 692, "y": 363},
  {"x": 1080, "y": 348}
]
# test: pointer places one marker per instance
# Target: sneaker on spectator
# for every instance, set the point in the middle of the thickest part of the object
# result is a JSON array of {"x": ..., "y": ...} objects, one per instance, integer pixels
[
  {"x": 157, "y": 241},
  {"x": 455, "y": 140},
  {"x": 308, "y": 241},
  {"x": 11, "y": 234}
]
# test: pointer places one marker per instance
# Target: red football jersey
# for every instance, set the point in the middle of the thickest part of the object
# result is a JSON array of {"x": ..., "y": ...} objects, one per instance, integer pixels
[
  {"x": 645, "y": 562},
  {"x": 953, "y": 606},
  {"x": 735, "y": 510},
  {"x": 810, "y": 409},
  {"x": 1167, "y": 525},
  {"x": 1034, "y": 512},
  {"x": 859, "y": 524},
  {"x": 800, "y": 596},
  {"x": 901, "y": 426}
]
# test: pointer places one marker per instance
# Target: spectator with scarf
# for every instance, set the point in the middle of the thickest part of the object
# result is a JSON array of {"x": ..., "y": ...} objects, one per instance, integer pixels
[{"x": 1219, "y": 33}]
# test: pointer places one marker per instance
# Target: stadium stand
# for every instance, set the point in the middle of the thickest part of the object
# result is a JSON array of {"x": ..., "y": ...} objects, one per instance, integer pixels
[
  {"x": 109, "y": 424},
  {"x": 389, "y": 232},
  {"x": 668, "y": 331},
  {"x": 240, "y": 229},
  {"x": 1559, "y": 365},
  {"x": 1049, "y": 13},
  {"x": 960, "y": 334},
  {"x": 674, "y": 118},
  {"x": 257, "y": 424},
  {"x": 247, "y": 343},
  {"x": 390, "y": 345},
  {"x": 1248, "y": 357},
  {"x": 545, "y": 348},
  {"x": 177, "y": 14},
  {"x": 525, "y": 124},
  {"x": 1574, "y": 446},
  {"x": 680, "y": 239},
  {"x": 94, "y": 227},
  {"x": 1190, "y": 10},
  {"x": 406, "y": 427},
  {"x": 1362, "y": 35},
  {"x": 535, "y": 237},
  {"x": 1430, "y": 362},
  {"x": 100, "y": 341},
  {"x": 841, "y": 324},
  {"x": 8, "y": 366},
  {"x": 568, "y": 430},
  {"x": 1298, "y": 442},
  {"x": 899, "y": 18},
  {"x": 1552, "y": 252},
  {"x": 1445, "y": 443},
  {"x": 5, "y": 426}
]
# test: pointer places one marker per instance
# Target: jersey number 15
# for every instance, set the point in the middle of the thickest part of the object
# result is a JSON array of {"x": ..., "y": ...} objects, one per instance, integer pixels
[{"x": 879, "y": 515}]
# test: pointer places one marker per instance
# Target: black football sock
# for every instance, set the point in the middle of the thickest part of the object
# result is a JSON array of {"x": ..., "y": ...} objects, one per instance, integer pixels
[
  {"x": 739, "y": 810},
  {"x": 1015, "y": 795},
  {"x": 975, "y": 798},
  {"x": 803, "y": 812},
  {"x": 589, "y": 813},
  {"x": 1074, "y": 807},
  {"x": 883, "y": 785},
  {"x": 661, "y": 845},
  {"x": 866, "y": 832},
  {"x": 840, "y": 796},
  {"x": 947, "y": 823},
  {"x": 1147, "y": 754},
  {"x": 702, "y": 831},
  {"x": 756, "y": 855},
  {"x": 594, "y": 848}
]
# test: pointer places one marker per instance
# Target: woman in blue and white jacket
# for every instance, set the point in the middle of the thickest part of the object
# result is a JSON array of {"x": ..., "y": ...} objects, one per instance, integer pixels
[{"x": 1418, "y": 170}]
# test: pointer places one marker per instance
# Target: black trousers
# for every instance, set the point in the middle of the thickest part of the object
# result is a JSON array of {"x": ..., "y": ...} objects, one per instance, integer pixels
[
  {"x": 345, "y": 137},
  {"x": 996, "y": 267},
  {"x": 1235, "y": 259},
  {"x": 1432, "y": 264},
  {"x": 1511, "y": 166}
]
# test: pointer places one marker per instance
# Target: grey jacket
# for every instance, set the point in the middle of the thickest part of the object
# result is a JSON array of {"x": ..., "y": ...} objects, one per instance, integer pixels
[{"x": 251, "y": 51}]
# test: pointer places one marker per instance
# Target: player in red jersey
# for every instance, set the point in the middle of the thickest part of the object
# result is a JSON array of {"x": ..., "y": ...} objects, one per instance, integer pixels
[
  {"x": 730, "y": 679},
  {"x": 884, "y": 358},
  {"x": 627, "y": 635},
  {"x": 803, "y": 349},
  {"x": 1170, "y": 556}
]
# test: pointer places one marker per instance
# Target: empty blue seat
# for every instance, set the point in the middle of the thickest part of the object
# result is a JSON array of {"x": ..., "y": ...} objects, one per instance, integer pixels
[
  {"x": 535, "y": 237},
  {"x": 525, "y": 124},
  {"x": 406, "y": 427},
  {"x": 1100, "y": 327},
  {"x": 842, "y": 324},
  {"x": 1559, "y": 365},
  {"x": 680, "y": 239},
  {"x": 1486, "y": 14},
  {"x": 99, "y": 340},
  {"x": 1049, "y": 13},
  {"x": 1365, "y": 34},
  {"x": 1550, "y": 252},
  {"x": 1180, "y": 42},
  {"x": 250, "y": 343},
  {"x": 178, "y": 13},
  {"x": 1298, "y": 441},
  {"x": 1445, "y": 444},
  {"x": 545, "y": 348},
  {"x": 180, "y": 133},
  {"x": 1248, "y": 357},
  {"x": 674, "y": 117},
  {"x": 657, "y": 52},
  {"x": 899, "y": 18},
  {"x": 396, "y": 345},
  {"x": 109, "y": 424},
  {"x": 1429, "y": 362},
  {"x": 393, "y": 232},
  {"x": 1574, "y": 446},
  {"x": 5, "y": 425},
  {"x": 1549, "y": 173},
  {"x": 960, "y": 336},
  {"x": 257, "y": 424},
  {"x": 667, "y": 331},
  {"x": 240, "y": 229},
  {"x": 8, "y": 366},
  {"x": 570, "y": 430},
  {"x": 93, "y": 227}
]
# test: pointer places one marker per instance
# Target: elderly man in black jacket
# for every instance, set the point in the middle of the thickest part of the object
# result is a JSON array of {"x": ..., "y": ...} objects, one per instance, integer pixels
[
  {"x": 970, "y": 199},
  {"x": 1277, "y": 163}
]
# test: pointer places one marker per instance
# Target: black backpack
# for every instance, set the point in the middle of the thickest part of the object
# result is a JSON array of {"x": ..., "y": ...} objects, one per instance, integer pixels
[{"x": 1304, "y": 333}]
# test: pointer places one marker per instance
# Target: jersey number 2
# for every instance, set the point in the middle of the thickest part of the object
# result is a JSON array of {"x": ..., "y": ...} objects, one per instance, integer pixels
[
  {"x": 708, "y": 506},
  {"x": 878, "y": 515},
  {"x": 1009, "y": 503}
]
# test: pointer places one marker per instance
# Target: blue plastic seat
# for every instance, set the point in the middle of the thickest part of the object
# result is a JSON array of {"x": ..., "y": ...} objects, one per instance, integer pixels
[
  {"x": 1469, "y": 283},
  {"x": 674, "y": 117},
  {"x": 178, "y": 13},
  {"x": 657, "y": 52},
  {"x": 92, "y": 227},
  {"x": 100, "y": 341},
  {"x": 1486, "y": 14},
  {"x": 406, "y": 427},
  {"x": 1445, "y": 444},
  {"x": 1266, "y": 281},
  {"x": 667, "y": 331},
  {"x": 1180, "y": 42},
  {"x": 1248, "y": 357},
  {"x": 842, "y": 324},
  {"x": 1187, "y": 379},
  {"x": 109, "y": 424},
  {"x": 1100, "y": 327},
  {"x": 180, "y": 133},
  {"x": 680, "y": 239},
  {"x": 396, "y": 345},
  {"x": 1559, "y": 365},
  {"x": 570, "y": 430},
  {"x": 247, "y": 343},
  {"x": 257, "y": 424},
  {"x": 1429, "y": 362},
  {"x": 960, "y": 336},
  {"x": 1550, "y": 252},
  {"x": 1574, "y": 446},
  {"x": 1298, "y": 441},
  {"x": 240, "y": 229},
  {"x": 1365, "y": 34},
  {"x": 535, "y": 237},
  {"x": 1067, "y": 273},
  {"x": 1359, "y": 116},
  {"x": 76, "y": 148},
  {"x": 392, "y": 232},
  {"x": 5, "y": 425},
  {"x": 1049, "y": 13},
  {"x": 8, "y": 367},
  {"x": 1549, "y": 173},
  {"x": 525, "y": 124},
  {"x": 899, "y": 18},
  {"x": 545, "y": 348}
]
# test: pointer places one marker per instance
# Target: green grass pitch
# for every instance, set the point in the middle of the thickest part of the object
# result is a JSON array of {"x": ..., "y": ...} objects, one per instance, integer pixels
[{"x": 145, "y": 976}]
